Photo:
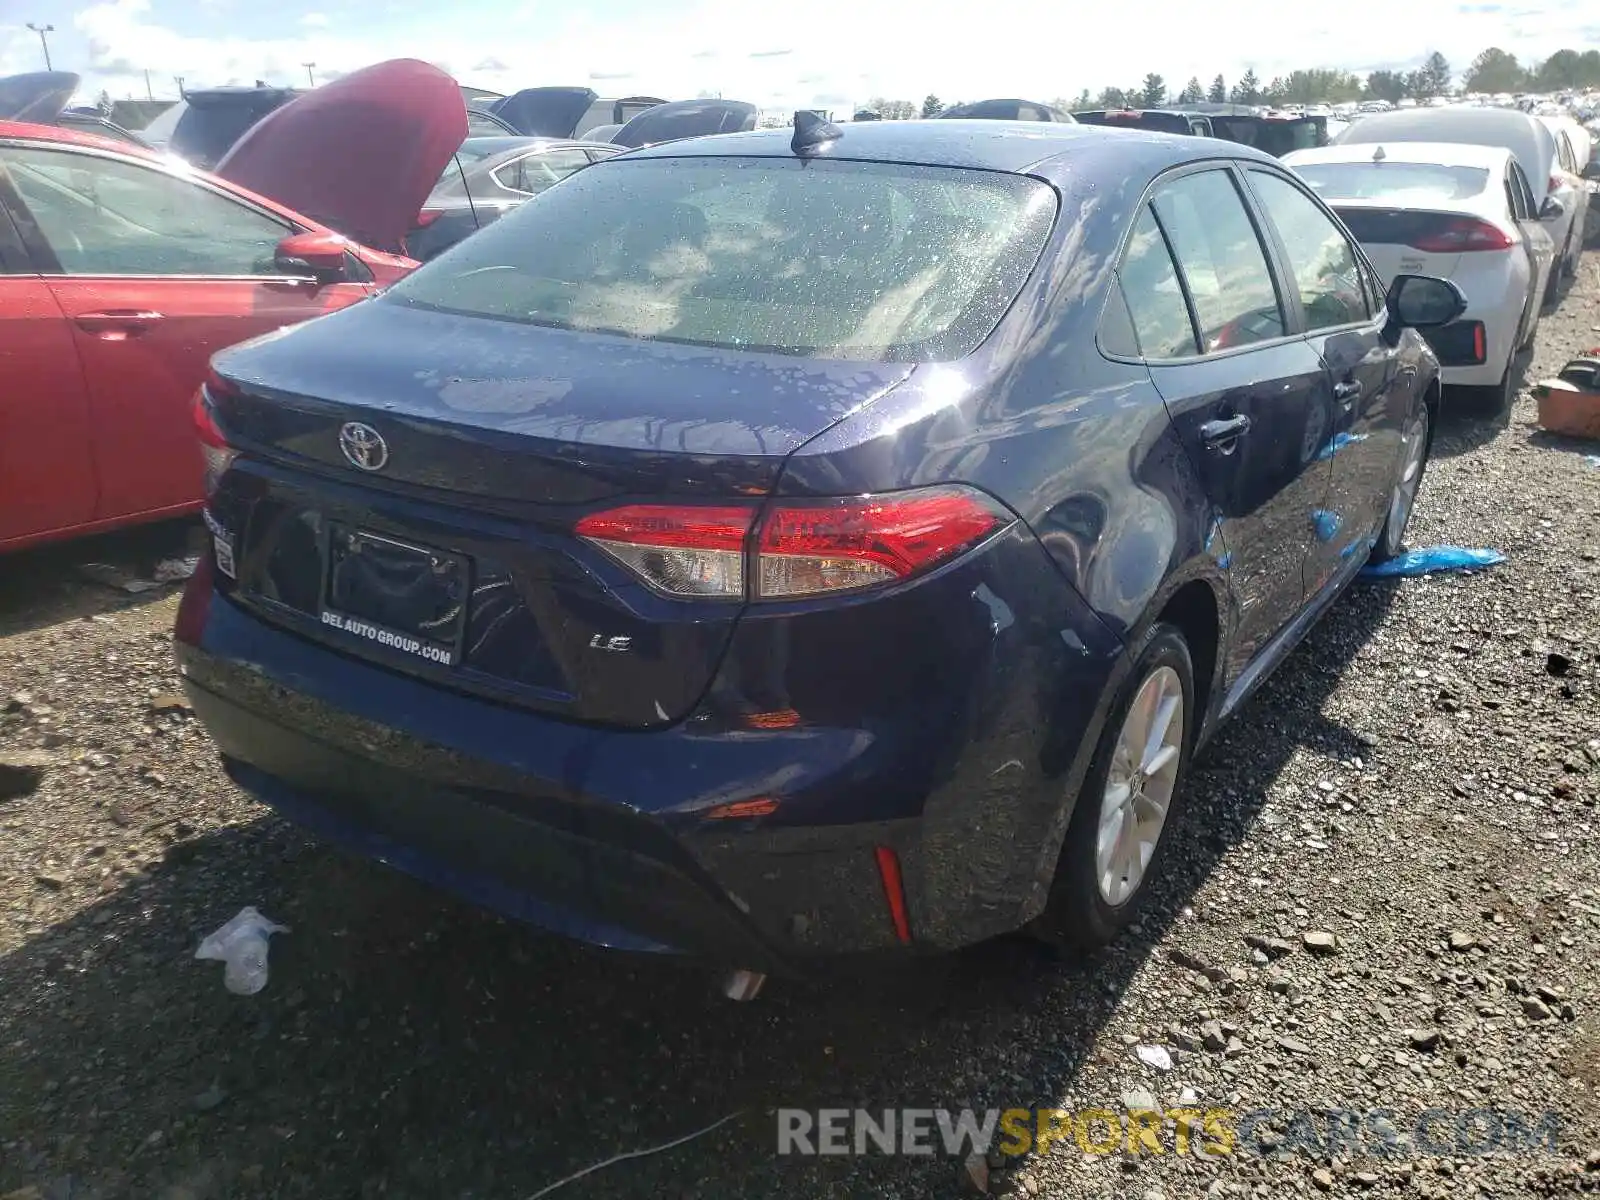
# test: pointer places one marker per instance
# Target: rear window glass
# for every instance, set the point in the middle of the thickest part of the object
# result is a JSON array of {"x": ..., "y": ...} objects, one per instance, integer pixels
[
  {"x": 857, "y": 261},
  {"x": 1393, "y": 181}
]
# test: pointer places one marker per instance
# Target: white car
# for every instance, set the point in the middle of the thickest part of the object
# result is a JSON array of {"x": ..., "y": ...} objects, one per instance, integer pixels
[
  {"x": 1529, "y": 139},
  {"x": 1568, "y": 185},
  {"x": 1462, "y": 213}
]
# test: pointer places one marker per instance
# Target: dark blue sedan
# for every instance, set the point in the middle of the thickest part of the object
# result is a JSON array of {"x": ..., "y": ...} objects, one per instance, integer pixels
[{"x": 779, "y": 545}]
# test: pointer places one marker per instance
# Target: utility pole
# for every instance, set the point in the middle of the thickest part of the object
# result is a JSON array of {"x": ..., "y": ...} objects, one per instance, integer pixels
[
  {"x": 149, "y": 92},
  {"x": 44, "y": 31},
  {"x": 310, "y": 78},
  {"x": 178, "y": 79}
]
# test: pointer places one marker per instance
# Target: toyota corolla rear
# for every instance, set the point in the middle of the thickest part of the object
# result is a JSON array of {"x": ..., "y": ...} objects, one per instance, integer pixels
[
  {"x": 1442, "y": 219},
  {"x": 513, "y": 587}
]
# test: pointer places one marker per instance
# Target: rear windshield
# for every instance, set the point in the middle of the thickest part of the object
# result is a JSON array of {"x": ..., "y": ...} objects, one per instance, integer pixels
[
  {"x": 828, "y": 259},
  {"x": 1394, "y": 181}
]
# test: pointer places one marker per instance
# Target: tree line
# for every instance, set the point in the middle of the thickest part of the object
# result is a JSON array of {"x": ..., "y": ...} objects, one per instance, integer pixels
[{"x": 1493, "y": 72}]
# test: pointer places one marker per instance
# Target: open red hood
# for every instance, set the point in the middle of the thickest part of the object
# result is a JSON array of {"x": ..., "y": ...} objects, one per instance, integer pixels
[
  {"x": 37, "y": 98},
  {"x": 359, "y": 154}
]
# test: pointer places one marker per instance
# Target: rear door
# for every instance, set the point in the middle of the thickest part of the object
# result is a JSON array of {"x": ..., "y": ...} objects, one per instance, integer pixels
[
  {"x": 46, "y": 469},
  {"x": 153, "y": 271},
  {"x": 1363, "y": 443},
  {"x": 1249, "y": 397}
]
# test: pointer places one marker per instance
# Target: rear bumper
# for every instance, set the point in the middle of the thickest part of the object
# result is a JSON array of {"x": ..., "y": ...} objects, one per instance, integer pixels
[{"x": 603, "y": 835}]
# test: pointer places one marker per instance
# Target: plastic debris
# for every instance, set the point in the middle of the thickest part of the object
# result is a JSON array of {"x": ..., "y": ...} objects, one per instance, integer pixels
[
  {"x": 171, "y": 570},
  {"x": 241, "y": 946},
  {"x": 1434, "y": 558},
  {"x": 1158, "y": 1057},
  {"x": 1326, "y": 524},
  {"x": 1592, "y": 459}
]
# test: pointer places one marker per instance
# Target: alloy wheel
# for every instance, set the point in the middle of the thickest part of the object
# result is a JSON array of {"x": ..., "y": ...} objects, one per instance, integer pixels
[
  {"x": 1139, "y": 786},
  {"x": 1413, "y": 455}
]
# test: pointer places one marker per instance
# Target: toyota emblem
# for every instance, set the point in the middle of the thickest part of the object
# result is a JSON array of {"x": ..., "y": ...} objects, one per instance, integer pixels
[{"x": 363, "y": 446}]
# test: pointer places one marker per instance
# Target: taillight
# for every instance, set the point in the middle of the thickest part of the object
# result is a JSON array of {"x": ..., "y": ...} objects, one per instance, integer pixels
[
  {"x": 214, "y": 448},
  {"x": 683, "y": 550},
  {"x": 1554, "y": 185},
  {"x": 1459, "y": 234},
  {"x": 802, "y": 548},
  {"x": 428, "y": 216},
  {"x": 839, "y": 545}
]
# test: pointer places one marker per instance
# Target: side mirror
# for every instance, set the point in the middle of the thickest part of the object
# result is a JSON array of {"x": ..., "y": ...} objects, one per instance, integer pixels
[
  {"x": 320, "y": 255},
  {"x": 1592, "y": 170},
  {"x": 1551, "y": 209},
  {"x": 1423, "y": 302}
]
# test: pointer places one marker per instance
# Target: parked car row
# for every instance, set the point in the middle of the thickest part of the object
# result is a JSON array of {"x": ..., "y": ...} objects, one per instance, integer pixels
[{"x": 1486, "y": 197}]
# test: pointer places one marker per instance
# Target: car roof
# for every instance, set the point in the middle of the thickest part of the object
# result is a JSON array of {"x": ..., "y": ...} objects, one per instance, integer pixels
[
  {"x": 74, "y": 137},
  {"x": 1016, "y": 147},
  {"x": 1451, "y": 154}
]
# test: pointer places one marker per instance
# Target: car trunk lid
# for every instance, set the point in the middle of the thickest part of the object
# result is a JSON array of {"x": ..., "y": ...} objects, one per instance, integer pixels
[
  {"x": 37, "y": 97},
  {"x": 359, "y": 154},
  {"x": 546, "y": 111},
  {"x": 1391, "y": 238},
  {"x": 451, "y": 553}
]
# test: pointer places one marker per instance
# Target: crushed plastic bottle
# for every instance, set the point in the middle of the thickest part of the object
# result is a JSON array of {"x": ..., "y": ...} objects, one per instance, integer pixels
[{"x": 241, "y": 946}]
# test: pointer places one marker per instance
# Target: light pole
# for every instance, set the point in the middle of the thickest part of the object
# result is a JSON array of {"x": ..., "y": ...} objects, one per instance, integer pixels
[
  {"x": 310, "y": 78},
  {"x": 44, "y": 40}
]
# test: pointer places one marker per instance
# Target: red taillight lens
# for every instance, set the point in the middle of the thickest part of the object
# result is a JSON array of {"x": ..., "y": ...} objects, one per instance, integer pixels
[
  {"x": 1554, "y": 184},
  {"x": 1459, "y": 234},
  {"x": 213, "y": 445},
  {"x": 683, "y": 550},
  {"x": 802, "y": 548},
  {"x": 428, "y": 216},
  {"x": 838, "y": 545}
]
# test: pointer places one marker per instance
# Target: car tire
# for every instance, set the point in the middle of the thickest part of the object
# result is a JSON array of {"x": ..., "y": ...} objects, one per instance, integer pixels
[
  {"x": 1101, "y": 879},
  {"x": 1416, "y": 439},
  {"x": 1494, "y": 399}
]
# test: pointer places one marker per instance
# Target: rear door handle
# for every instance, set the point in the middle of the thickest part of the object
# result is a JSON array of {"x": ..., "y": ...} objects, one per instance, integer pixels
[
  {"x": 1224, "y": 432},
  {"x": 117, "y": 324},
  {"x": 1347, "y": 393}
]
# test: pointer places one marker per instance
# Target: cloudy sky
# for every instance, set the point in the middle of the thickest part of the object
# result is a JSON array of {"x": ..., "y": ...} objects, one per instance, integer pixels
[{"x": 827, "y": 53}]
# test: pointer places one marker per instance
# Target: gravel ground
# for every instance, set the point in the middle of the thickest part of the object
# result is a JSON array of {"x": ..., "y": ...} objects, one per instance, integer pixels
[{"x": 1419, "y": 781}]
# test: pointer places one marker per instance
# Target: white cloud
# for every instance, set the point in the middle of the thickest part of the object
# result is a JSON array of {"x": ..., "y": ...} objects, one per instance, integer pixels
[{"x": 858, "y": 48}]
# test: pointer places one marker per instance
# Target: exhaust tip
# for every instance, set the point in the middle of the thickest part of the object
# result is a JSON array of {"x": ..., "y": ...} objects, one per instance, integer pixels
[{"x": 742, "y": 986}]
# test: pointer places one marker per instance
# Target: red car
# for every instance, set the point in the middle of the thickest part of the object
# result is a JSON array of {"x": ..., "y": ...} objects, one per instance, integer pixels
[{"x": 122, "y": 271}]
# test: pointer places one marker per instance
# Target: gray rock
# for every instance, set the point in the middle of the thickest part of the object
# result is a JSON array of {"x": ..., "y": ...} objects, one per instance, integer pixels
[
  {"x": 1536, "y": 1009},
  {"x": 1271, "y": 947},
  {"x": 1424, "y": 1039},
  {"x": 1323, "y": 1178},
  {"x": 1461, "y": 941},
  {"x": 1321, "y": 942}
]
